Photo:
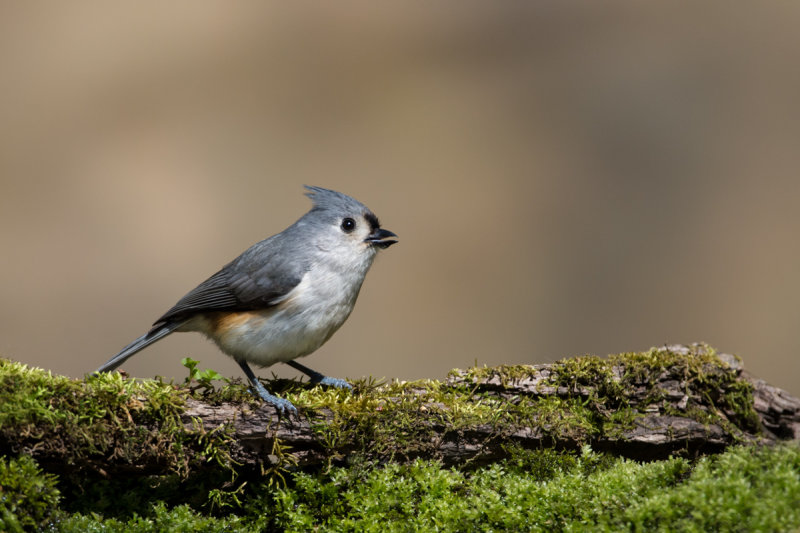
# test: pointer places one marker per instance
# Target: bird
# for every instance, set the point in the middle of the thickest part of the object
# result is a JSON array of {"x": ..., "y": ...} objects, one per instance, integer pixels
[{"x": 283, "y": 297}]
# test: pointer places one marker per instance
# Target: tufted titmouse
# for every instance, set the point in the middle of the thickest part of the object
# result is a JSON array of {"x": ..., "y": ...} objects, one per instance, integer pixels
[{"x": 284, "y": 296}]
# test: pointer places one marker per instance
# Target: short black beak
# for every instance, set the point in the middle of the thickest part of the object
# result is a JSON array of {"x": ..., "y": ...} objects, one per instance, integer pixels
[{"x": 382, "y": 238}]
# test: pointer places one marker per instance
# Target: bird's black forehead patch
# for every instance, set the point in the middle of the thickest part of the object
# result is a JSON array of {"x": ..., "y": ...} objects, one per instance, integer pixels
[{"x": 372, "y": 220}]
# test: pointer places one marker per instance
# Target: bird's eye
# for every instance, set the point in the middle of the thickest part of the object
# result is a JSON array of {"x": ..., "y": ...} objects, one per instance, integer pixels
[{"x": 348, "y": 225}]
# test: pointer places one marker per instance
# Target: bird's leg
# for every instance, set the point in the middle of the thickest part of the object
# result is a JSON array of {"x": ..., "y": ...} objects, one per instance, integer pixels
[
  {"x": 281, "y": 404},
  {"x": 318, "y": 378}
]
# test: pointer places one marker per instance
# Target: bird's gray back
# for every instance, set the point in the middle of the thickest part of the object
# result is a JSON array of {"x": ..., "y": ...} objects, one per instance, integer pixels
[
  {"x": 257, "y": 279},
  {"x": 267, "y": 271}
]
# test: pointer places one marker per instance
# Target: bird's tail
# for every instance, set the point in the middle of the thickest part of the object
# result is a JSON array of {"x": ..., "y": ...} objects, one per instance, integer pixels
[{"x": 142, "y": 342}]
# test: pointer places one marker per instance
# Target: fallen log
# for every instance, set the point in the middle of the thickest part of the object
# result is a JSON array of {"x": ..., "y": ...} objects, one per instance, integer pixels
[{"x": 684, "y": 400}]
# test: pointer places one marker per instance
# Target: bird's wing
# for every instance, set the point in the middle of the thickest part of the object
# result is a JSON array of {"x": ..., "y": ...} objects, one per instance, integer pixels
[{"x": 252, "y": 281}]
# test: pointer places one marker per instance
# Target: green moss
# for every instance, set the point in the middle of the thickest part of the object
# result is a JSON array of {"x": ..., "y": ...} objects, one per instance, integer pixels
[
  {"x": 200, "y": 385},
  {"x": 392, "y": 421},
  {"x": 745, "y": 489},
  {"x": 558, "y": 418},
  {"x": 372, "y": 437},
  {"x": 505, "y": 373},
  {"x": 111, "y": 421},
  {"x": 78, "y": 419},
  {"x": 161, "y": 519},
  {"x": 28, "y": 497},
  {"x": 401, "y": 421},
  {"x": 605, "y": 396},
  {"x": 594, "y": 398},
  {"x": 545, "y": 464}
]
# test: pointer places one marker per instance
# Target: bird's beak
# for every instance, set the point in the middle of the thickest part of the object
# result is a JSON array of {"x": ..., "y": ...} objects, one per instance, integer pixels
[{"x": 382, "y": 238}]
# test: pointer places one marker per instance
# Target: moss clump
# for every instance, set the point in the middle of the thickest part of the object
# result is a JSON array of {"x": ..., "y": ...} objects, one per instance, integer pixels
[
  {"x": 78, "y": 419},
  {"x": 744, "y": 489},
  {"x": 397, "y": 421},
  {"x": 160, "y": 519},
  {"x": 28, "y": 497},
  {"x": 72, "y": 427},
  {"x": 505, "y": 374},
  {"x": 604, "y": 396},
  {"x": 374, "y": 436}
]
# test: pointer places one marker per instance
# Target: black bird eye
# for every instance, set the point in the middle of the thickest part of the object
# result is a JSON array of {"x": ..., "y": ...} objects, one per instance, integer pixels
[{"x": 348, "y": 225}]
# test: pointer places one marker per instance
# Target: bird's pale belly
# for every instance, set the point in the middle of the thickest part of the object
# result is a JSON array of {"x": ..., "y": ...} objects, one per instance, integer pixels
[{"x": 273, "y": 336}]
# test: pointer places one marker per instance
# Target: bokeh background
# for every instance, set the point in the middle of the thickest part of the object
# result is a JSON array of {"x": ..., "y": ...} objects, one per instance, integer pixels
[{"x": 565, "y": 178}]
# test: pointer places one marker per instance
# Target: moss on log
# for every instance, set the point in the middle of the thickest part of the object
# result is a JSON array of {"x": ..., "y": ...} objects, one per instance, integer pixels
[{"x": 107, "y": 437}]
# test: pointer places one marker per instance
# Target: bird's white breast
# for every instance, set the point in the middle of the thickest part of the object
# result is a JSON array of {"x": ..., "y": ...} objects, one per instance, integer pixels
[{"x": 300, "y": 323}]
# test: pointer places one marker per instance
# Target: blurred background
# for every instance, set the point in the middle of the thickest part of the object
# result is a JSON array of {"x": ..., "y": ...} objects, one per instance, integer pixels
[{"x": 565, "y": 178}]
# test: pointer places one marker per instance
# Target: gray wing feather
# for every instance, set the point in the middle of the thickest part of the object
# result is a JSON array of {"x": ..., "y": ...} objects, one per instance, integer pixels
[{"x": 257, "y": 279}]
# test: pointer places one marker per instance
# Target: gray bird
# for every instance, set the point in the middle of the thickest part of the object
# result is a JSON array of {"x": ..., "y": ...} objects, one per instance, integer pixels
[{"x": 283, "y": 297}]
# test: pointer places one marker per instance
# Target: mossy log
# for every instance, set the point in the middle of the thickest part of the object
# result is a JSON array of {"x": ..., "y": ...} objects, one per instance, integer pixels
[
  {"x": 655, "y": 410},
  {"x": 684, "y": 400}
]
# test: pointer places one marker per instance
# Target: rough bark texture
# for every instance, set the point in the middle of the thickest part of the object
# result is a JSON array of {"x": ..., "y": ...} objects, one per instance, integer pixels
[
  {"x": 778, "y": 411},
  {"x": 682, "y": 418},
  {"x": 649, "y": 405}
]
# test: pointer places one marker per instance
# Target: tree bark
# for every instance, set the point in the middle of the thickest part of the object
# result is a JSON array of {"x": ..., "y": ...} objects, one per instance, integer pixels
[
  {"x": 683, "y": 420},
  {"x": 684, "y": 400}
]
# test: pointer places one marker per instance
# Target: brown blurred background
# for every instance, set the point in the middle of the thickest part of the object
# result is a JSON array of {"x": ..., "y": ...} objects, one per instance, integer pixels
[{"x": 564, "y": 179}]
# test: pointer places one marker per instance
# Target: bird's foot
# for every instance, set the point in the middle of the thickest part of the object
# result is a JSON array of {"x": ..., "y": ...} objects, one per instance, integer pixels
[
  {"x": 334, "y": 382},
  {"x": 320, "y": 379},
  {"x": 283, "y": 405}
]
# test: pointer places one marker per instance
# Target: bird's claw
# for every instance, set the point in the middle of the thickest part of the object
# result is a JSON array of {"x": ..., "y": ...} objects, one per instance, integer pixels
[
  {"x": 283, "y": 405},
  {"x": 335, "y": 382}
]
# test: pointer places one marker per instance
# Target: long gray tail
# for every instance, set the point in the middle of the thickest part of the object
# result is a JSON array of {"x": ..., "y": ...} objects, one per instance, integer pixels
[{"x": 142, "y": 342}]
